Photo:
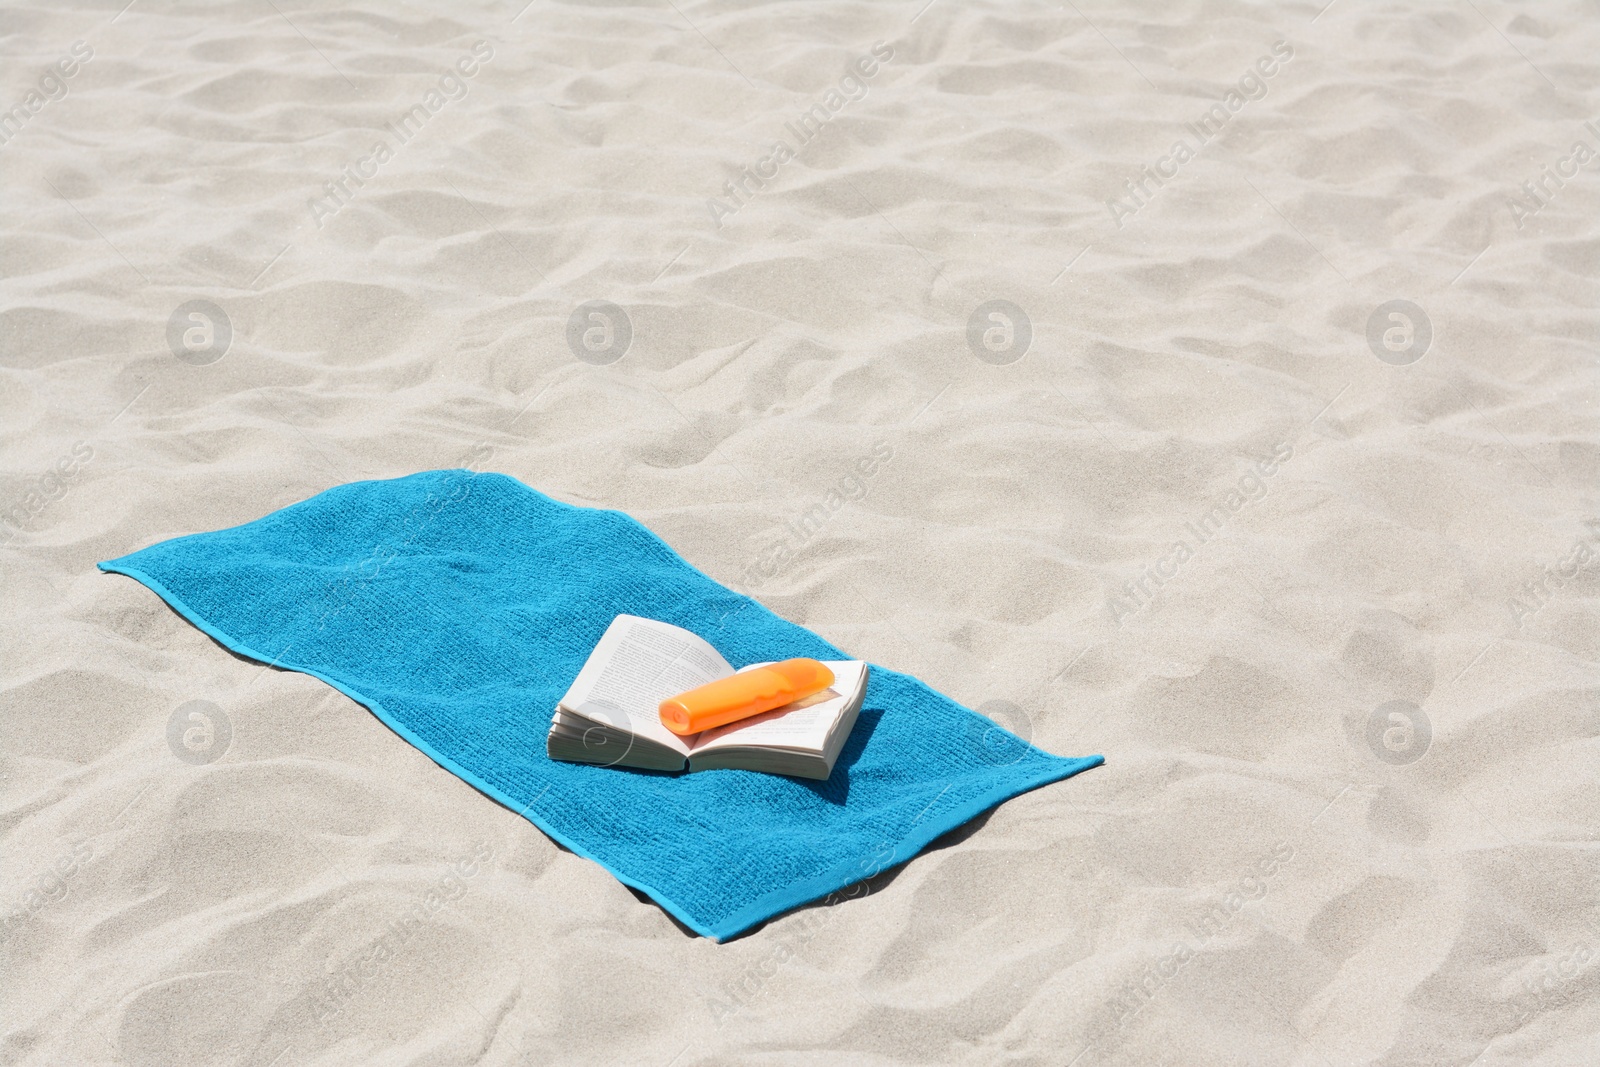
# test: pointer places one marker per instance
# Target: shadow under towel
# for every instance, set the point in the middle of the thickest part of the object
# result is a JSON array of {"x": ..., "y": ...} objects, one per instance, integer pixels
[{"x": 458, "y": 607}]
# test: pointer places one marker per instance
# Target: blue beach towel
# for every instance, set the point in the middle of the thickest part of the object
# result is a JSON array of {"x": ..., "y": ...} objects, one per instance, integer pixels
[{"x": 458, "y": 607}]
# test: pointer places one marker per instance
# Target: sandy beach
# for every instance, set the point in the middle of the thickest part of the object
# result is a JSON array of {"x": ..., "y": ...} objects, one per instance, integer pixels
[{"x": 1212, "y": 387}]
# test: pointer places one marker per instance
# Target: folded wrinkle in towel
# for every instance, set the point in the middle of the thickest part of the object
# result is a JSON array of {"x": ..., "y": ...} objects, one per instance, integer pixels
[{"x": 459, "y": 607}]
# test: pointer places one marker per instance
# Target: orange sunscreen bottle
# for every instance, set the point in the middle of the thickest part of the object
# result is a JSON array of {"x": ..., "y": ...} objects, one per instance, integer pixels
[{"x": 739, "y": 696}]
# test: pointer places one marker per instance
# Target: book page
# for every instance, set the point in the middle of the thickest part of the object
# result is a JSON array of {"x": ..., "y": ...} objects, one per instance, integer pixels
[
  {"x": 803, "y": 725},
  {"x": 637, "y": 664}
]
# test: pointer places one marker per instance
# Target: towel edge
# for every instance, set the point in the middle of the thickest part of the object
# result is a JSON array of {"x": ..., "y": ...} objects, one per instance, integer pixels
[{"x": 906, "y": 849}]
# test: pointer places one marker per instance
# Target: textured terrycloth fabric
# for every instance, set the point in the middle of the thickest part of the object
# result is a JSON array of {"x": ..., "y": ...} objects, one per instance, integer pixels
[{"x": 460, "y": 606}]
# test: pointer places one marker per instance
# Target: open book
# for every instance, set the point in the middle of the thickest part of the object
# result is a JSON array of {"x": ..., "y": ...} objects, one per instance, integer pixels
[{"x": 611, "y": 714}]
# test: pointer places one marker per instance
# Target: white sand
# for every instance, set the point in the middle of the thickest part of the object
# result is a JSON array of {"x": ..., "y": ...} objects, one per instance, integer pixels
[{"x": 1362, "y": 910}]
